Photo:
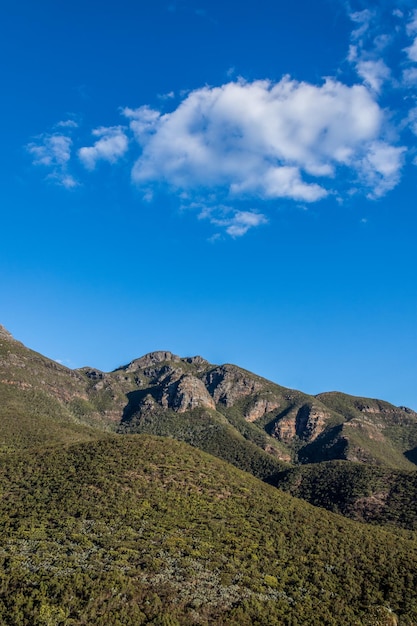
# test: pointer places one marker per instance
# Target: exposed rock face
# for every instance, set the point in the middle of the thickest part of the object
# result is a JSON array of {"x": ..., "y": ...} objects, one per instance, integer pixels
[
  {"x": 153, "y": 358},
  {"x": 197, "y": 361},
  {"x": 284, "y": 430},
  {"x": 228, "y": 384},
  {"x": 186, "y": 394},
  {"x": 306, "y": 423},
  {"x": 370, "y": 430},
  {"x": 310, "y": 422},
  {"x": 261, "y": 406},
  {"x": 94, "y": 374}
]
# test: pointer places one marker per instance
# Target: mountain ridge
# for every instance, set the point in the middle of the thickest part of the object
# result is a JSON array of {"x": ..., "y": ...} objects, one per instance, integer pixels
[{"x": 294, "y": 425}]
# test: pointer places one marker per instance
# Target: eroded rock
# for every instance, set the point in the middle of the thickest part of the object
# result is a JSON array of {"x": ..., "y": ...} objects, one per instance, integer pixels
[
  {"x": 186, "y": 394},
  {"x": 228, "y": 384}
]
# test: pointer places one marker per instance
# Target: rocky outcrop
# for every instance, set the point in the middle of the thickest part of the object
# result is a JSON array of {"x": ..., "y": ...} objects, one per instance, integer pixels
[
  {"x": 284, "y": 430},
  {"x": 152, "y": 358},
  {"x": 305, "y": 423},
  {"x": 261, "y": 406},
  {"x": 310, "y": 422},
  {"x": 228, "y": 384},
  {"x": 198, "y": 362},
  {"x": 186, "y": 394}
]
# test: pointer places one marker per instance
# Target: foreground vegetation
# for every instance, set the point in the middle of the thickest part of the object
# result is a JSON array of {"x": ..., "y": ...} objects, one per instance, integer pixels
[{"x": 146, "y": 530}]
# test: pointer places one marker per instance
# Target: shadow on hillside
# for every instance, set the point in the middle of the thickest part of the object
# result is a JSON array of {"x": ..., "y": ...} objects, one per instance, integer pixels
[
  {"x": 135, "y": 399},
  {"x": 411, "y": 455}
]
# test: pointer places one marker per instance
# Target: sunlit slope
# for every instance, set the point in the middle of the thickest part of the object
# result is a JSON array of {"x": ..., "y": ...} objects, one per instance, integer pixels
[
  {"x": 145, "y": 530},
  {"x": 38, "y": 399}
]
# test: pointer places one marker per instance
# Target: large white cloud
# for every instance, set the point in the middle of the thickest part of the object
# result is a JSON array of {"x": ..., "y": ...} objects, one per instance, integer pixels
[
  {"x": 264, "y": 139},
  {"x": 111, "y": 145}
]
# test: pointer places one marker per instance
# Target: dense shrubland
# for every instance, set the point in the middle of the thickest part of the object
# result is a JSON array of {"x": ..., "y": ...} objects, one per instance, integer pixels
[{"x": 146, "y": 530}]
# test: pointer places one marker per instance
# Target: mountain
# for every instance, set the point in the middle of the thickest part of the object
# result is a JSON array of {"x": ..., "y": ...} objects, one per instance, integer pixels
[
  {"x": 244, "y": 419},
  {"x": 107, "y": 519},
  {"x": 165, "y": 394}
]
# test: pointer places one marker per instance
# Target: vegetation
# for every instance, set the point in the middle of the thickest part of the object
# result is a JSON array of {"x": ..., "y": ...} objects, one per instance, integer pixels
[
  {"x": 211, "y": 432},
  {"x": 372, "y": 494},
  {"x": 144, "y": 530}
]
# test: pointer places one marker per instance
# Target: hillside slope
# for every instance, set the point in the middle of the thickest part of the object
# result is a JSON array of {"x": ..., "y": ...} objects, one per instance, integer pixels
[
  {"x": 377, "y": 495},
  {"x": 148, "y": 393},
  {"x": 142, "y": 530}
]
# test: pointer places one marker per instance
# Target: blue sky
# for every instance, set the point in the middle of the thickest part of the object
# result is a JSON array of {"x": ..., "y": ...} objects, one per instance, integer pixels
[{"x": 236, "y": 180}]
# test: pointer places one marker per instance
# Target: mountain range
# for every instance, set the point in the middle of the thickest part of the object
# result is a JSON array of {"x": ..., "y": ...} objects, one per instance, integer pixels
[{"x": 111, "y": 481}]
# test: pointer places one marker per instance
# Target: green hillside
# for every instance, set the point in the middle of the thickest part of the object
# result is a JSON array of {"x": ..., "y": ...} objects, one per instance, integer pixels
[
  {"x": 363, "y": 492},
  {"x": 143, "y": 530}
]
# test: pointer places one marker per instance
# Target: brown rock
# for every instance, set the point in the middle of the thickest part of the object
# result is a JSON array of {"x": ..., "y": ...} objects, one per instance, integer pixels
[
  {"x": 228, "y": 384},
  {"x": 186, "y": 394},
  {"x": 261, "y": 406}
]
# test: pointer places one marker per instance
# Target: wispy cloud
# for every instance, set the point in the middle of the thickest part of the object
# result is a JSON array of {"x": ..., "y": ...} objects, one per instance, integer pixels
[
  {"x": 373, "y": 73},
  {"x": 367, "y": 46},
  {"x": 411, "y": 29},
  {"x": 383, "y": 53},
  {"x": 235, "y": 223},
  {"x": 241, "y": 222},
  {"x": 111, "y": 146},
  {"x": 67, "y": 124},
  {"x": 53, "y": 151}
]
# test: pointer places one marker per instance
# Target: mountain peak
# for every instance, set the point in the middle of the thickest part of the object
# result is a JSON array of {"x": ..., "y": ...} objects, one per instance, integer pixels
[{"x": 152, "y": 358}]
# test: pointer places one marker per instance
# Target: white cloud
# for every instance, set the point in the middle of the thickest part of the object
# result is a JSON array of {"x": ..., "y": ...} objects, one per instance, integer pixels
[
  {"x": 409, "y": 77},
  {"x": 143, "y": 121},
  {"x": 262, "y": 139},
  {"x": 235, "y": 222},
  {"x": 367, "y": 47},
  {"x": 412, "y": 51},
  {"x": 242, "y": 221},
  {"x": 50, "y": 150},
  {"x": 166, "y": 96},
  {"x": 67, "y": 124},
  {"x": 374, "y": 73},
  {"x": 54, "y": 152},
  {"x": 380, "y": 168},
  {"x": 111, "y": 146},
  {"x": 412, "y": 24},
  {"x": 363, "y": 19},
  {"x": 63, "y": 179},
  {"x": 412, "y": 120}
]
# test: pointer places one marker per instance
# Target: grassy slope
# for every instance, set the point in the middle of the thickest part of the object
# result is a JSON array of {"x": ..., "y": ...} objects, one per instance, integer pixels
[
  {"x": 43, "y": 402},
  {"x": 143, "y": 530},
  {"x": 32, "y": 418}
]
